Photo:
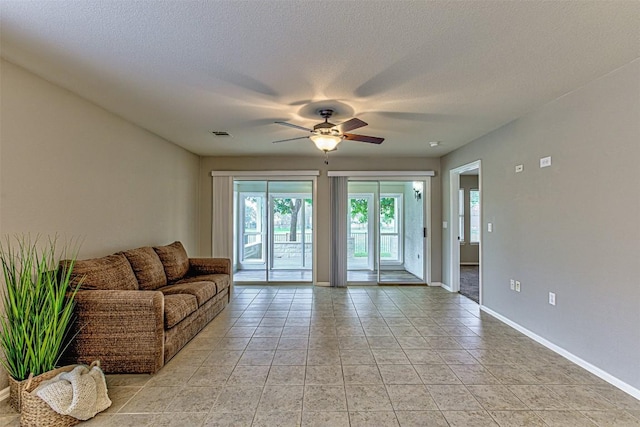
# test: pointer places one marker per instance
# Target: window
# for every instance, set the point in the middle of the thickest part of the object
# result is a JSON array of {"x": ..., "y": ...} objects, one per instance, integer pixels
[
  {"x": 474, "y": 216},
  {"x": 252, "y": 215},
  {"x": 390, "y": 249},
  {"x": 461, "y": 215}
]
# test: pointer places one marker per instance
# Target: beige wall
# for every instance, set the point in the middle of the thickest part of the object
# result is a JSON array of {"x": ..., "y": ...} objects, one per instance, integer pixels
[
  {"x": 572, "y": 228},
  {"x": 72, "y": 168},
  {"x": 207, "y": 164}
]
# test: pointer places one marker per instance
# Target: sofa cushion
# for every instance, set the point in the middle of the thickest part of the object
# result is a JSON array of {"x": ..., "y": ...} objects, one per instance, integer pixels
[
  {"x": 174, "y": 260},
  {"x": 111, "y": 272},
  {"x": 147, "y": 267},
  {"x": 221, "y": 280},
  {"x": 203, "y": 291},
  {"x": 177, "y": 307},
  {"x": 199, "y": 266}
]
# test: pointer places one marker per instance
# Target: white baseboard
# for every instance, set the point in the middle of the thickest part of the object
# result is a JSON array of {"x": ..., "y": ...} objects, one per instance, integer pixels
[
  {"x": 469, "y": 263},
  {"x": 323, "y": 284},
  {"x": 446, "y": 287},
  {"x": 567, "y": 355},
  {"x": 4, "y": 394},
  {"x": 435, "y": 284}
]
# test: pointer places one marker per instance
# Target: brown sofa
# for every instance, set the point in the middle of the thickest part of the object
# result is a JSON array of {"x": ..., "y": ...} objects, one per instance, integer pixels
[{"x": 136, "y": 309}]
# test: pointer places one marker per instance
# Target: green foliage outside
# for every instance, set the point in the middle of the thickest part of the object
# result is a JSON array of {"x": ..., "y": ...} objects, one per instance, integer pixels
[
  {"x": 291, "y": 207},
  {"x": 360, "y": 211}
]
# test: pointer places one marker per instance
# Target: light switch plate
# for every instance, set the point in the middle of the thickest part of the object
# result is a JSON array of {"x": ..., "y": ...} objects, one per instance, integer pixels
[
  {"x": 545, "y": 162},
  {"x": 445, "y": 224},
  {"x": 490, "y": 227},
  {"x": 552, "y": 298}
]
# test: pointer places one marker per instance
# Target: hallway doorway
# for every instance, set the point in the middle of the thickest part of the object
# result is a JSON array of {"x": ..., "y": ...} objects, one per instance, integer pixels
[
  {"x": 469, "y": 232},
  {"x": 465, "y": 269}
]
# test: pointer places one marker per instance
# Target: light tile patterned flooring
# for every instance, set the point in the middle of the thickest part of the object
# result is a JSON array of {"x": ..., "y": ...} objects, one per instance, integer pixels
[{"x": 362, "y": 356}]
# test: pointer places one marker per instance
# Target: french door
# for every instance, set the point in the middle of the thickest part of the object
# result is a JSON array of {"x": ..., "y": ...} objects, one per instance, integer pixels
[
  {"x": 273, "y": 231},
  {"x": 386, "y": 239}
]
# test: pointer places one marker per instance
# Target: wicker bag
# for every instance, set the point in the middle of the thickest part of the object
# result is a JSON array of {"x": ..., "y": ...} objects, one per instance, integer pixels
[
  {"x": 35, "y": 411},
  {"x": 15, "y": 393}
]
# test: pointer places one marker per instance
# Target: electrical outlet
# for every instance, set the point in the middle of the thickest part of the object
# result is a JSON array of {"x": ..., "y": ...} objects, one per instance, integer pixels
[
  {"x": 552, "y": 298},
  {"x": 517, "y": 286},
  {"x": 512, "y": 284}
]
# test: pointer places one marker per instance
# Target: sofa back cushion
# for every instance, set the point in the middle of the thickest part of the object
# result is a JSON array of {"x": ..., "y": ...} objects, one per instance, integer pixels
[
  {"x": 111, "y": 272},
  {"x": 174, "y": 259},
  {"x": 147, "y": 267}
]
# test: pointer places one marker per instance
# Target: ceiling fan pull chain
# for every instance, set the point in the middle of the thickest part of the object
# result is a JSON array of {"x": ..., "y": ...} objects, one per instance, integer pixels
[{"x": 326, "y": 157}]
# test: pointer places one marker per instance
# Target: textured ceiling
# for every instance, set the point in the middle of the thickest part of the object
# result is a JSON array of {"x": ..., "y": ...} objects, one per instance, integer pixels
[{"x": 415, "y": 71}]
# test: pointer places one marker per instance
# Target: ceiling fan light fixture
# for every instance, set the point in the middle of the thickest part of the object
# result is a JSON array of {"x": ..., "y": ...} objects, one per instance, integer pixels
[{"x": 326, "y": 143}]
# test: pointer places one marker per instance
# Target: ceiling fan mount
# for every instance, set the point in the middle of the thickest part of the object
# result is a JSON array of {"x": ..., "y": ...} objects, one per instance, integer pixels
[
  {"x": 325, "y": 114},
  {"x": 326, "y": 136}
]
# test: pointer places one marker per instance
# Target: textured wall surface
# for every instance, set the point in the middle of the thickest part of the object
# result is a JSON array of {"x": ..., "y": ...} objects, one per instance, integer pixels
[{"x": 571, "y": 228}]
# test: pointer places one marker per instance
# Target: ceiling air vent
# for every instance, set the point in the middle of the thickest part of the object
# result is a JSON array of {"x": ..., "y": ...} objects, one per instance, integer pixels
[{"x": 220, "y": 133}]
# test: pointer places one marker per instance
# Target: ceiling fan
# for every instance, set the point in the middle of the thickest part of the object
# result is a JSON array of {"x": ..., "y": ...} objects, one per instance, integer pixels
[{"x": 326, "y": 136}]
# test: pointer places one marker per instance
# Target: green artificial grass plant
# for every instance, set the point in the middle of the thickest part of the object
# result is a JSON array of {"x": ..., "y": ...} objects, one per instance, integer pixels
[{"x": 37, "y": 304}]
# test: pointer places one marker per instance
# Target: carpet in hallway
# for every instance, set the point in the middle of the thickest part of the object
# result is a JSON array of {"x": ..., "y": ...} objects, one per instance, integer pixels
[{"x": 470, "y": 282}]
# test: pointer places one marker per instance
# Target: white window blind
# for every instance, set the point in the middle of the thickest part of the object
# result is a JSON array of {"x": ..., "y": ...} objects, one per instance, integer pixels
[{"x": 222, "y": 217}]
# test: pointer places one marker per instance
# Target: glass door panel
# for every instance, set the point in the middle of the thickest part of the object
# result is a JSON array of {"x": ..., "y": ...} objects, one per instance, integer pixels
[
  {"x": 252, "y": 229},
  {"x": 291, "y": 213},
  {"x": 273, "y": 231},
  {"x": 402, "y": 240},
  {"x": 385, "y": 233},
  {"x": 390, "y": 223},
  {"x": 390, "y": 231},
  {"x": 362, "y": 254}
]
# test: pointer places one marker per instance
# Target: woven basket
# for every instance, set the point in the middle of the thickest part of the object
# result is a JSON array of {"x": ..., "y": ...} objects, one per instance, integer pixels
[
  {"x": 35, "y": 411},
  {"x": 15, "y": 393}
]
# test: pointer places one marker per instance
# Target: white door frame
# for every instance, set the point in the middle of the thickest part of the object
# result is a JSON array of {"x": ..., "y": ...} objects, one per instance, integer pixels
[
  {"x": 424, "y": 178},
  {"x": 292, "y": 175},
  {"x": 454, "y": 244}
]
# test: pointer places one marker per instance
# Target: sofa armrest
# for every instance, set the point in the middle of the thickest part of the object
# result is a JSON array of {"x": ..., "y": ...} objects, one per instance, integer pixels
[
  {"x": 199, "y": 266},
  {"x": 122, "y": 329}
]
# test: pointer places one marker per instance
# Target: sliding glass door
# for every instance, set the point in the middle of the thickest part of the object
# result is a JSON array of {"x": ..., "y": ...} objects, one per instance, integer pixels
[
  {"x": 251, "y": 222},
  {"x": 362, "y": 260},
  {"x": 273, "y": 231},
  {"x": 385, "y": 233}
]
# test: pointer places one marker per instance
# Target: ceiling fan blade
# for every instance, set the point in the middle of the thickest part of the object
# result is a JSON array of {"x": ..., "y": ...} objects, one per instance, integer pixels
[
  {"x": 290, "y": 139},
  {"x": 363, "y": 138},
  {"x": 350, "y": 125},
  {"x": 293, "y": 126}
]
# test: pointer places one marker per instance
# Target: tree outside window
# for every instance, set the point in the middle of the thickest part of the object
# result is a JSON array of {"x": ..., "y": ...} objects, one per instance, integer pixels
[{"x": 288, "y": 209}]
